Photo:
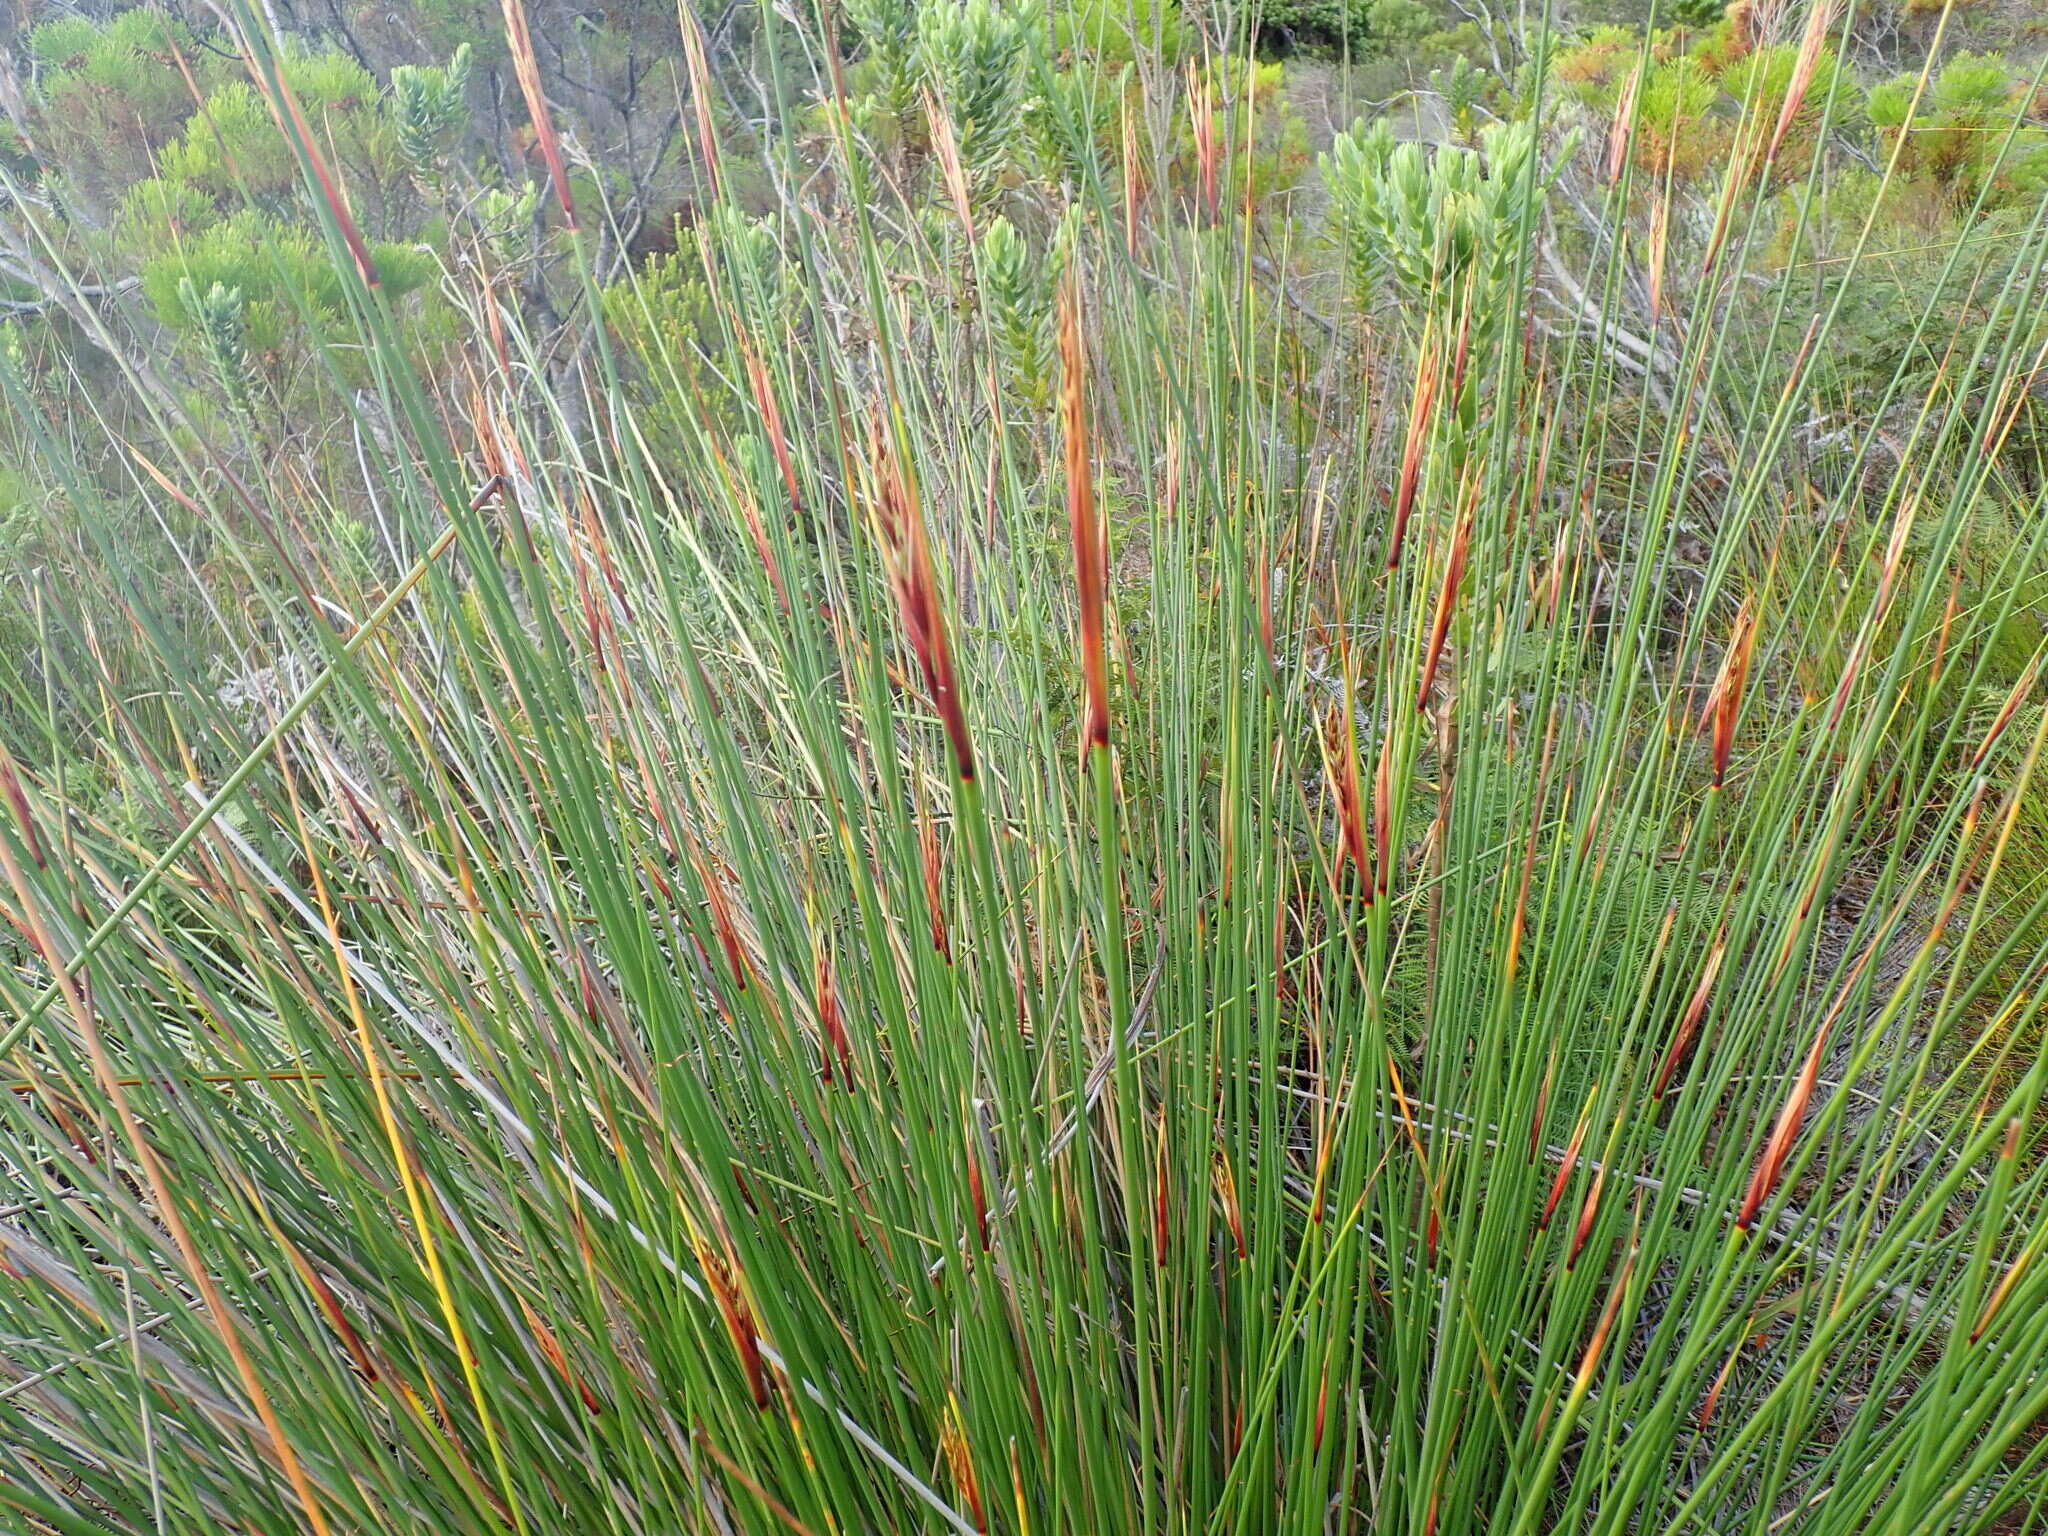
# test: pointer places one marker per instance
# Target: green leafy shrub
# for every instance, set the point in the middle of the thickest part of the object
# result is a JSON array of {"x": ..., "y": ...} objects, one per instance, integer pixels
[
  {"x": 1363, "y": 27},
  {"x": 112, "y": 95},
  {"x": 1961, "y": 135}
]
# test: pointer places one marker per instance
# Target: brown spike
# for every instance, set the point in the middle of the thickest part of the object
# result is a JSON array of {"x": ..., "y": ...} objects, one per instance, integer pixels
[
  {"x": 960, "y": 1461},
  {"x": 1340, "y": 770},
  {"x": 900, "y": 525},
  {"x": 330, "y": 1305},
  {"x": 974, "y": 1190},
  {"x": 739, "y": 1319},
  {"x": 1771, "y": 1162},
  {"x": 934, "y": 888},
  {"x": 17, "y": 802},
  {"x": 1226, "y": 1191},
  {"x": 551, "y": 1351},
  {"x": 771, "y": 418},
  {"x": 284, "y": 105},
  {"x": 1160, "y": 1224},
  {"x": 1446, "y": 601},
  {"x": 1587, "y": 1213},
  {"x": 1542, "y": 1104},
  {"x": 1383, "y": 811},
  {"x": 1706, "y": 1413}
]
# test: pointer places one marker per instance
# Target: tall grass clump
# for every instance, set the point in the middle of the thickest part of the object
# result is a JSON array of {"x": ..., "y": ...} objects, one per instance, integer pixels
[{"x": 1083, "y": 852}]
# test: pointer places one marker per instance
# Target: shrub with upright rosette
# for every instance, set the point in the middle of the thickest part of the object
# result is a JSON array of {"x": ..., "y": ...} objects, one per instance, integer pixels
[{"x": 1439, "y": 227}]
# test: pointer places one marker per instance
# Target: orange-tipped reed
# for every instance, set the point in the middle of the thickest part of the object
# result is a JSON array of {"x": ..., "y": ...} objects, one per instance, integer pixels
[
  {"x": 976, "y": 1196},
  {"x": 1090, "y": 573},
  {"x": 1588, "y": 1212},
  {"x": 2011, "y": 1277},
  {"x": 700, "y": 98},
  {"x": 900, "y": 525},
  {"x": 284, "y": 105},
  {"x": 739, "y": 1320},
  {"x": 1565, "y": 1169},
  {"x": 1590, "y": 1360},
  {"x": 960, "y": 1461},
  {"x": 2013, "y": 700},
  {"x": 1411, "y": 451},
  {"x": 1383, "y": 810},
  {"x": 1771, "y": 1162}
]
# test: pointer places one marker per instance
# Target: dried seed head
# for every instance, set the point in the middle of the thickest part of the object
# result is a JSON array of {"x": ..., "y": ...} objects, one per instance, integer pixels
[
  {"x": 1624, "y": 125},
  {"x": 1341, "y": 772},
  {"x": 1818, "y": 20},
  {"x": 1208, "y": 150},
  {"x": 519, "y": 43}
]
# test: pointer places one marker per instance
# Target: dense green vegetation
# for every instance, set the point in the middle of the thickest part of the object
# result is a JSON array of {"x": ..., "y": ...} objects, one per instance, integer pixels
[{"x": 958, "y": 767}]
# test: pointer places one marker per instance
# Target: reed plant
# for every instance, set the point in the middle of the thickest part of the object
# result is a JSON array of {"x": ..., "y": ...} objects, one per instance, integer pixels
[{"x": 1162, "y": 864}]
